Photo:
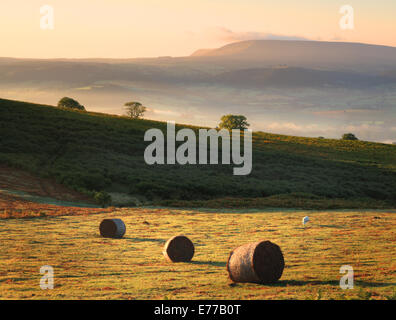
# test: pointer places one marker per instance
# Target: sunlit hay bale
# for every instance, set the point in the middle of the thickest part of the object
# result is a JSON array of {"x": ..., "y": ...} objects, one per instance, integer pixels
[
  {"x": 179, "y": 249},
  {"x": 260, "y": 262},
  {"x": 112, "y": 228}
]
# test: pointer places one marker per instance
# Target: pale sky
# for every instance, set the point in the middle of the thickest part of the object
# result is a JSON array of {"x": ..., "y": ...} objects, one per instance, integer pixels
[{"x": 150, "y": 28}]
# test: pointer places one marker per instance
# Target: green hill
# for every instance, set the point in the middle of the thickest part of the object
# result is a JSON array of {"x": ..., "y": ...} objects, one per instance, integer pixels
[{"x": 93, "y": 152}]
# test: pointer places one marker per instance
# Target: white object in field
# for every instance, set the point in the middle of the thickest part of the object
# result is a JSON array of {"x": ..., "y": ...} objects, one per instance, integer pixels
[{"x": 305, "y": 220}]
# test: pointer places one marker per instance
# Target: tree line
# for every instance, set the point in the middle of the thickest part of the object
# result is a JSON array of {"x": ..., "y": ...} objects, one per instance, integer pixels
[{"x": 136, "y": 110}]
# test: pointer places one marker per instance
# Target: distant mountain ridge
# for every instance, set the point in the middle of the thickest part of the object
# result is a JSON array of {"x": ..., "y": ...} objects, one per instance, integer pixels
[
  {"x": 250, "y": 46},
  {"x": 253, "y": 75},
  {"x": 284, "y": 76},
  {"x": 310, "y": 54}
]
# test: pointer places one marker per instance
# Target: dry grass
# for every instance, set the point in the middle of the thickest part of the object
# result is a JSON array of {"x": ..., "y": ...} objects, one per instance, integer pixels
[{"x": 90, "y": 267}]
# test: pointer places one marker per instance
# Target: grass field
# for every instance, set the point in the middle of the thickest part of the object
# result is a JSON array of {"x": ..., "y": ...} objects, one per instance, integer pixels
[
  {"x": 51, "y": 157},
  {"x": 87, "y": 266}
]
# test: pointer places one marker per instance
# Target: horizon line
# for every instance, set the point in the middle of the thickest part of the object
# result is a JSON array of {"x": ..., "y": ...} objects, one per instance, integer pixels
[{"x": 191, "y": 55}]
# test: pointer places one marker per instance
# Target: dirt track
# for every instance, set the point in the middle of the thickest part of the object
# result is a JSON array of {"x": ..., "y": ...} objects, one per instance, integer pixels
[
  {"x": 15, "y": 179},
  {"x": 14, "y": 206}
]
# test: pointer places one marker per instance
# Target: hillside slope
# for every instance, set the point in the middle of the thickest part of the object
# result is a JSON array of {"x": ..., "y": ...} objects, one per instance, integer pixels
[{"x": 93, "y": 152}]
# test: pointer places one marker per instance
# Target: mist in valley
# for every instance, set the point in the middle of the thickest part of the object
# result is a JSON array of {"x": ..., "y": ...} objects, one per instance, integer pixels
[{"x": 346, "y": 89}]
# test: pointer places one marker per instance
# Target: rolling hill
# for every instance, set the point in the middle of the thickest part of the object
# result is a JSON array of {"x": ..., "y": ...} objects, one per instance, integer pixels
[
  {"x": 352, "y": 59},
  {"x": 286, "y": 77},
  {"x": 307, "y": 54},
  {"x": 92, "y": 152}
]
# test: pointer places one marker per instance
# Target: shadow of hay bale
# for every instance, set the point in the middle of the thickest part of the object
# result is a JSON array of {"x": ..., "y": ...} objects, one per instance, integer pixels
[
  {"x": 331, "y": 226},
  {"x": 210, "y": 263},
  {"x": 146, "y": 240}
]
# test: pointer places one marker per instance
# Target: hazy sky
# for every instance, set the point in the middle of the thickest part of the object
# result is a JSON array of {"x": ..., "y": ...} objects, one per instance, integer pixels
[{"x": 140, "y": 28}]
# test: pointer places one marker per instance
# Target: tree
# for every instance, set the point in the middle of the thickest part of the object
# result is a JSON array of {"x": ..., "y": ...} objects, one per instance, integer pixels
[
  {"x": 134, "y": 109},
  {"x": 70, "y": 103},
  {"x": 103, "y": 198},
  {"x": 231, "y": 121},
  {"x": 349, "y": 136}
]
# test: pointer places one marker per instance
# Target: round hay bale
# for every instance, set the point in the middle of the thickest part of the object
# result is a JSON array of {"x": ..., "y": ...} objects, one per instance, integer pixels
[
  {"x": 112, "y": 228},
  {"x": 179, "y": 249},
  {"x": 260, "y": 262}
]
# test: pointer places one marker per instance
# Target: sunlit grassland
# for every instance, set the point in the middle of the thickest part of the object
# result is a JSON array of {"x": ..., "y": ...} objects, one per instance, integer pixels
[{"x": 90, "y": 267}]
